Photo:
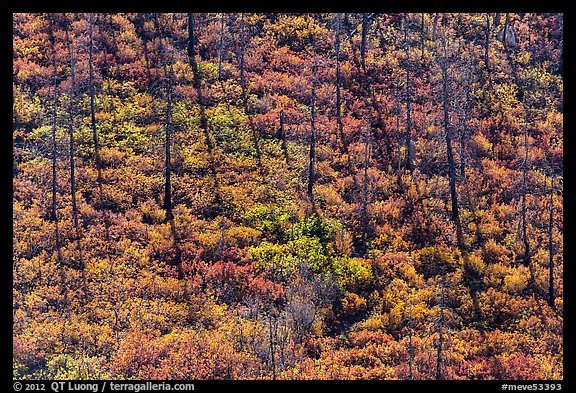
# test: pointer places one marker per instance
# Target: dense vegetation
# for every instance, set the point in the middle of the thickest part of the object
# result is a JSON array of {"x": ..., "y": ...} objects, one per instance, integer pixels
[{"x": 287, "y": 196}]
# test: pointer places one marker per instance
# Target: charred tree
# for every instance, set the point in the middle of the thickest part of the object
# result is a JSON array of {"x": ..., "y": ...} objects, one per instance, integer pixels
[
  {"x": 197, "y": 83},
  {"x": 343, "y": 144},
  {"x": 363, "y": 43},
  {"x": 54, "y": 215},
  {"x": 550, "y": 246},
  {"x": 243, "y": 85},
  {"x": 167, "y": 144},
  {"x": 312, "y": 153},
  {"x": 282, "y": 136},
  {"x": 440, "y": 343},
  {"x": 408, "y": 135},
  {"x": 95, "y": 141},
  {"x": 422, "y": 36},
  {"x": 364, "y": 216},
  {"x": 524, "y": 221},
  {"x": 449, "y": 151},
  {"x": 487, "y": 43},
  {"x": 72, "y": 153},
  {"x": 221, "y": 46}
]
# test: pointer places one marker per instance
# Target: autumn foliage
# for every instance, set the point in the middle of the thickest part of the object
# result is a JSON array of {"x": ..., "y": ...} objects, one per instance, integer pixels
[{"x": 430, "y": 247}]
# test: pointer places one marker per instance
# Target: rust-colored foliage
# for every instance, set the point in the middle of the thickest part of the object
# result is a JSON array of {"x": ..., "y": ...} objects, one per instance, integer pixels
[{"x": 252, "y": 267}]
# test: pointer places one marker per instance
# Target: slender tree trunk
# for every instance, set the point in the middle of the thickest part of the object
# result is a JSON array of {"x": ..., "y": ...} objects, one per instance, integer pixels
[
  {"x": 72, "y": 97},
  {"x": 497, "y": 19},
  {"x": 158, "y": 28},
  {"x": 363, "y": 42},
  {"x": 197, "y": 83},
  {"x": 560, "y": 68},
  {"x": 242, "y": 49},
  {"x": 255, "y": 133},
  {"x": 550, "y": 246},
  {"x": 343, "y": 144},
  {"x": 525, "y": 240},
  {"x": 422, "y": 36},
  {"x": 463, "y": 135},
  {"x": 221, "y": 46},
  {"x": 312, "y": 155},
  {"x": 54, "y": 215},
  {"x": 282, "y": 133},
  {"x": 272, "y": 350},
  {"x": 397, "y": 113},
  {"x": 409, "y": 157},
  {"x": 450, "y": 154},
  {"x": 487, "y": 43},
  {"x": 347, "y": 24},
  {"x": 95, "y": 142},
  {"x": 530, "y": 19},
  {"x": 167, "y": 143},
  {"x": 365, "y": 190},
  {"x": 440, "y": 335},
  {"x": 410, "y": 354},
  {"x": 435, "y": 26},
  {"x": 114, "y": 41},
  {"x": 505, "y": 31}
]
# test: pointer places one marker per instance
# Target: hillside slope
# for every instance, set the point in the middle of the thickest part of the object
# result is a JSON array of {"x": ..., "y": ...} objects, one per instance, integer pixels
[{"x": 288, "y": 196}]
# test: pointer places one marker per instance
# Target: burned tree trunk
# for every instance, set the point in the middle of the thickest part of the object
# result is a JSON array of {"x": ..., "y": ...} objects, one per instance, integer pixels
[
  {"x": 422, "y": 36},
  {"x": 439, "y": 349},
  {"x": 97, "y": 159},
  {"x": 197, "y": 83},
  {"x": 167, "y": 143},
  {"x": 343, "y": 145},
  {"x": 54, "y": 215},
  {"x": 72, "y": 96},
  {"x": 221, "y": 47},
  {"x": 312, "y": 153},
  {"x": 551, "y": 247},
  {"x": 408, "y": 136},
  {"x": 367, "y": 140},
  {"x": 282, "y": 135},
  {"x": 449, "y": 150},
  {"x": 363, "y": 42},
  {"x": 255, "y": 133},
  {"x": 525, "y": 241},
  {"x": 487, "y": 43}
]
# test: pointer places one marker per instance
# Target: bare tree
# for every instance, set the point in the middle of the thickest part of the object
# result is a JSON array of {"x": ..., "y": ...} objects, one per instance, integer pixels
[
  {"x": 367, "y": 141},
  {"x": 282, "y": 136},
  {"x": 435, "y": 26},
  {"x": 408, "y": 135},
  {"x": 364, "y": 41},
  {"x": 550, "y": 246},
  {"x": 197, "y": 82},
  {"x": 422, "y": 36},
  {"x": 72, "y": 97},
  {"x": 343, "y": 144},
  {"x": 524, "y": 222},
  {"x": 463, "y": 129},
  {"x": 497, "y": 19},
  {"x": 505, "y": 31},
  {"x": 243, "y": 85},
  {"x": 312, "y": 153},
  {"x": 487, "y": 43},
  {"x": 95, "y": 142},
  {"x": 167, "y": 144},
  {"x": 448, "y": 128},
  {"x": 221, "y": 46},
  {"x": 440, "y": 344},
  {"x": 54, "y": 215}
]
